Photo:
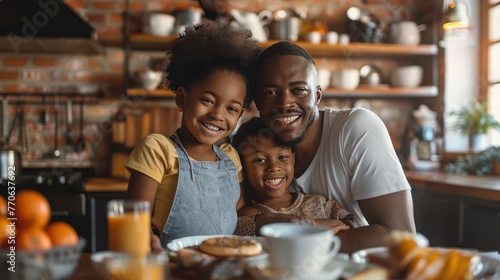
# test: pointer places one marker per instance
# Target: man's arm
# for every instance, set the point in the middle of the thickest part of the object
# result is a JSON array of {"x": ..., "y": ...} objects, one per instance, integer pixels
[{"x": 384, "y": 214}]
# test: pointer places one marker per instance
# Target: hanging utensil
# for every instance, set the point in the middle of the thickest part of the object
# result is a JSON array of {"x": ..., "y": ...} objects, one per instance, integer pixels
[
  {"x": 80, "y": 144},
  {"x": 68, "y": 135},
  {"x": 57, "y": 153},
  {"x": 10, "y": 157},
  {"x": 44, "y": 117},
  {"x": 22, "y": 131}
]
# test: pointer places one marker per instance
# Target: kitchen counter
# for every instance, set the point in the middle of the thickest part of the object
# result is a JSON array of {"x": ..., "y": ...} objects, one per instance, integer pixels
[
  {"x": 484, "y": 187},
  {"x": 105, "y": 185}
]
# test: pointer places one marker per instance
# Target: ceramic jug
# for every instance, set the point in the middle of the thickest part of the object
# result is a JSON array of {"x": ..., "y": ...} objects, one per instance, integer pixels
[
  {"x": 254, "y": 22},
  {"x": 405, "y": 32}
]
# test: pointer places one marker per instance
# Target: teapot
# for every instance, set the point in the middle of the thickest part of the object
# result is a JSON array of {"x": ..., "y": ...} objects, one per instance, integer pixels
[{"x": 254, "y": 22}]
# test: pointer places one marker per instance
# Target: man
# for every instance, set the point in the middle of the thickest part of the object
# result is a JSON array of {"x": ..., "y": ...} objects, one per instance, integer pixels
[{"x": 345, "y": 155}]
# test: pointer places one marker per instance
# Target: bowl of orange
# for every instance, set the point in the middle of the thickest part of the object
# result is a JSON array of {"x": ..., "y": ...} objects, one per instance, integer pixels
[{"x": 34, "y": 247}]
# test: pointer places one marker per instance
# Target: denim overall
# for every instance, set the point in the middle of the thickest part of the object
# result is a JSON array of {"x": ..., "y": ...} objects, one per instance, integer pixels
[{"x": 206, "y": 196}]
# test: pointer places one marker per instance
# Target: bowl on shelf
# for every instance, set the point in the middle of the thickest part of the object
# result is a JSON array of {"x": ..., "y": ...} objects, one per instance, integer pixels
[
  {"x": 407, "y": 76},
  {"x": 158, "y": 24},
  {"x": 347, "y": 79}
]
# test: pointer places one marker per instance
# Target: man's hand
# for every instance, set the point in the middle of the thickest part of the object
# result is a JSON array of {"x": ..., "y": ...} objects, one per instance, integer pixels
[{"x": 334, "y": 224}]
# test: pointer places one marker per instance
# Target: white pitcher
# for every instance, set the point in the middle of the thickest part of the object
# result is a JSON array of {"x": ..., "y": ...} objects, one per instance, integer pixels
[
  {"x": 254, "y": 22},
  {"x": 405, "y": 32}
]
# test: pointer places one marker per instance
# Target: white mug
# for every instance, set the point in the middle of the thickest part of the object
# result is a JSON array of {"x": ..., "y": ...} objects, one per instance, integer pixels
[{"x": 299, "y": 249}]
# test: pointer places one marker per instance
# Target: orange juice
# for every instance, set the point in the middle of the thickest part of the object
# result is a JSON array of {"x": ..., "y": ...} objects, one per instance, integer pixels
[
  {"x": 137, "y": 271},
  {"x": 129, "y": 232},
  {"x": 138, "y": 268}
]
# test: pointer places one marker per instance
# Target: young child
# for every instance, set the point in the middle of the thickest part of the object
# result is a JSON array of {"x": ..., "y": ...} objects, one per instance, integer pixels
[
  {"x": 192, "y": 184},
  {"x": 269, "y": 169}
]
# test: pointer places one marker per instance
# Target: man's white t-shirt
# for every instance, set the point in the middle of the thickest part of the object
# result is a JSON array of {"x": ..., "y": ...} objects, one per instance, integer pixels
[{"x": 355, "y": 160}]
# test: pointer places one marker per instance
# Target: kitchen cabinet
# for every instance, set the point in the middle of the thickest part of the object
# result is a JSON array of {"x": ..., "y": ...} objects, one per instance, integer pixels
[
  {"x": 451, "y": 220},
  {"x": 481, "y": 225},
  {"x": 98, "y": 224},
  {"x": 437, "y": 216}
]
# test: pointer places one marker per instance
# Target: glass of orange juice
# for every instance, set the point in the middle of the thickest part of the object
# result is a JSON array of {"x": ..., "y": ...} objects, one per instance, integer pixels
[
  {"x": 132, "y": 267},
  {"x": 129, "y": 226}
]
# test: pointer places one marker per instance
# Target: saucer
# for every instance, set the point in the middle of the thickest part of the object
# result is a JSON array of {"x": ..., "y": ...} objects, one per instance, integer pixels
[{"x": 262, "y": 271}]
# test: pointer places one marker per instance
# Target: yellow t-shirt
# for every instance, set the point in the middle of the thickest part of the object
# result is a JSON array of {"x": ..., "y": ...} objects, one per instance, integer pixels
[{"x": 156, "y": 157}]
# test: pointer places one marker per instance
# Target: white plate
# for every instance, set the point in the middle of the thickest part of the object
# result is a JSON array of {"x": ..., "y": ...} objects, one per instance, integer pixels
[
  {"x": 262, "y": 271},
  {"x": 190, "y": 241},
  {"x": 488, "y": 267},
  {"x": 360, "y": 256}
]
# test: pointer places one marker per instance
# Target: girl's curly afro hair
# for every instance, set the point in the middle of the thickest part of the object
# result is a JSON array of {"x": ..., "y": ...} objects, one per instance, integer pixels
[{"x": 208, "y": 47}]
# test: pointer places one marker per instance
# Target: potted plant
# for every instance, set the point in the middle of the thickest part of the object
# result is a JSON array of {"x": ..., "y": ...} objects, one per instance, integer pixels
[{"x": 473, "y": 120}]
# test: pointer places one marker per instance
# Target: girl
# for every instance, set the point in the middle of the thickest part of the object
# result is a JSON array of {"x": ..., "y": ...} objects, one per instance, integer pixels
[
  {"x": 269, "y": 169},
  {"x": 191, "y": 183}
]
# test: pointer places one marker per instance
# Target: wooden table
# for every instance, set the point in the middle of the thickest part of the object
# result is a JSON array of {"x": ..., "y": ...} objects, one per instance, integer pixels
[{"x": 85, "y": 271}]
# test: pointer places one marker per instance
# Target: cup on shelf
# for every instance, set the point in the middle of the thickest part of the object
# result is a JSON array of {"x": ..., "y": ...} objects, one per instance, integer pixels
[
  {"x": 347, "y": 79},
  {"x": 407, "y": 76},
  {"x": 314, "y": 37},
  {"x": 129, "y": 224},
  {"x": 332, "y": 37},
  {"x": 344, "y": 39}
]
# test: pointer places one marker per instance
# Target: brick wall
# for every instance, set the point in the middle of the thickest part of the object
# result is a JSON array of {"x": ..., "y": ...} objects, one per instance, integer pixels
[{"x": 39, "y": 73}]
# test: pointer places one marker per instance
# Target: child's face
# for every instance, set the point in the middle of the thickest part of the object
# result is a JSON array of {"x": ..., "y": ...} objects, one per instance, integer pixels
[
  {"x": 212, "y": 108},
  {"x": 269, "y": 167}
]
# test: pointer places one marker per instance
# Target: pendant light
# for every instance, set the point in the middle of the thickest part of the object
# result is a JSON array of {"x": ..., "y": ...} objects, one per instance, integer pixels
[{"x": 456, "y": 15}]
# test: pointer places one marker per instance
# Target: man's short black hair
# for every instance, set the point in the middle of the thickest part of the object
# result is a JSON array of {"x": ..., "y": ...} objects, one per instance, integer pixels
[{"x": 285, "y": 48}]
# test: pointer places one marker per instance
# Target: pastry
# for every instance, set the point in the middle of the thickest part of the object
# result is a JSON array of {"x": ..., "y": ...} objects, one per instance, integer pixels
[
  {"x": 231, "y": 247},
  {"x": 410, "y": 261}
]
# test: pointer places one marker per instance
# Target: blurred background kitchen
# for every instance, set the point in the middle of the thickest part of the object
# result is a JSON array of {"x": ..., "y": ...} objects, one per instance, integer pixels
[{"x": 81, "y": 83}]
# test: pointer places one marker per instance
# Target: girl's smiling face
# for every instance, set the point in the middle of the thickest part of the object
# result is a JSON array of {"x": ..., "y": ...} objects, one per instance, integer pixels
[
  {"x": 211, "y": 108},
  {"x": 269, "y": 167}
]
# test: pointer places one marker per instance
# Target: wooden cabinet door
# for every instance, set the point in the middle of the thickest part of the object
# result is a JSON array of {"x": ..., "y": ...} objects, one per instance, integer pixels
[
  {"x": 481, "y": 222},
  {"x": 437, "y": 216}
]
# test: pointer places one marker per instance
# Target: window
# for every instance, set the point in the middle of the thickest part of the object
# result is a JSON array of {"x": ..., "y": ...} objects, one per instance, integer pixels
[{"x": 490, "y": 52}]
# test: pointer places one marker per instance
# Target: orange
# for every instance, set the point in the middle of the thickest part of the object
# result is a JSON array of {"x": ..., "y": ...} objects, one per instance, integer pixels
[
  {"x": 3, "y": 207},
  {"x": 32, "y": 209},
  {"x": 4, "y": 231},
  {"x": 32, "y": 238},
  {"x": 61, "y": 234}
]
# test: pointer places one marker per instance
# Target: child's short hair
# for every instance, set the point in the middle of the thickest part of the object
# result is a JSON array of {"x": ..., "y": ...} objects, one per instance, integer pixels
[
  {"x": 251, "y": 131},
  {"x": 210, "y": 46}
]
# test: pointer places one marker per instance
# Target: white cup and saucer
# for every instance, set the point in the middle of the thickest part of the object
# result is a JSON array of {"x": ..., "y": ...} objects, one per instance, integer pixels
[{"x": 298, "y": 252}]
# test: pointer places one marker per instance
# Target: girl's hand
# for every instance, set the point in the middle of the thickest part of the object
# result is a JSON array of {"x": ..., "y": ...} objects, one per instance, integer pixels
[{"x": 156, "y": 244}]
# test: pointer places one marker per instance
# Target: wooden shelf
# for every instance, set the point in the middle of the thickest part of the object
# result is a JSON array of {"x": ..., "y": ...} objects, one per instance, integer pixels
[
  {"x": 150, "y": 42},
  {"x": 150, "y": 93},
  {"x": 364, "y": 49},
  {"x": 361, "y": 92},
  {"x": 393, "y": 92},
  {"x": 51, "y": 45}
]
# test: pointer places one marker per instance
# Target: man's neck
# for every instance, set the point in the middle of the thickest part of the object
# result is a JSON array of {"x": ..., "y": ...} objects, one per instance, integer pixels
[{"x": 307, "y": 148}]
